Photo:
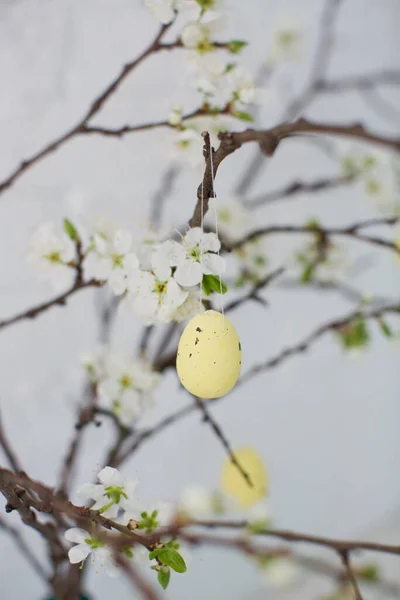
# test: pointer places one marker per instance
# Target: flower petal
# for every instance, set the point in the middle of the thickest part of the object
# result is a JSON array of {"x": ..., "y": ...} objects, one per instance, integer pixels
[
  {"x": 76, "y": 535},
  {"x": 117, "y": 282},
  {"x": 213, "y": 264},
  {"x": 90, "y": 491},
  {"x": 122, "y": 241},
  {"x": 109, "y": 476},
  {"x": 211, "y": 242},
  {"x": 78, "y": 553},
  {"x": 160, "y": 264},
  {"x": 189, "y": 273},
  {"x": 173, "y": 251},
  {"x": 194, "y": 237}
]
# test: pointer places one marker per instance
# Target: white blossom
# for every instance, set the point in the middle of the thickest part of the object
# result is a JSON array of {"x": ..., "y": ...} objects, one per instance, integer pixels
[
  {"x": 196, "y": 501},
  {"x": 200, "y": 34},
  {"x": 111, "y": 260},
  {"x": 156, "y": 295},
  {"x": 209, "y": 71},
  {"x": 49, "y": 254},
  {"x": 127, "y": 385},
  {"x": 259, "y": 515},
  {"x": 175, "y": 116},
  {"x": 195, "y": 257},
  {"x": 162, "y": 10},
  {"x": 288, "y": 39},
  {"x": 95, "y": 362},
  {"x": 190, "y": 308},
  {"x": 87, "y": 545},
  {"x": 111, "y": 494},
  {"x": 253, "y": 258},
  {"x": 243, "y": 87},
  {"x": 233, "y": 218},
  {"x": 279, "y": 572},
  {"x": 146, "y": 239},
  {"x": 188, "y": 147}
]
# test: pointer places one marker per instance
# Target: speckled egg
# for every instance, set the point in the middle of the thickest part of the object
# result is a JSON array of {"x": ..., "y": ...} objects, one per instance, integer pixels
[
  {"x": 209, "y": 355},
  {"x": 234, "y": 484}
]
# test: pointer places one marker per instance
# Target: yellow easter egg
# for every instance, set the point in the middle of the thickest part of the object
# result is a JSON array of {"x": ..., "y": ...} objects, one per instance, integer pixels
[
  {"x": 234, "y": 484},
  {"x": 209, "y": 355}
]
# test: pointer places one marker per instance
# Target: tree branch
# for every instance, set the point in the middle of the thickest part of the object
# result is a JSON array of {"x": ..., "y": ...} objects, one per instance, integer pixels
[
  {"x": 24, "y": 550},
  {"x": 268, "y": 141},
  {"x": 93, "y": 109},
  {"x": 299, "y": 187},
  {"x": 350, "y": 575},
  {"x": 60, "y": 300},
  {"x": 351, "y": 231}
]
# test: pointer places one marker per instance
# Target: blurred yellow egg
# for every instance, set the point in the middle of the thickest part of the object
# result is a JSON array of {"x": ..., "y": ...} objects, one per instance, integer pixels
[
  {"x": 209, "y": 355},
  {"x": 234, "y": 484}
]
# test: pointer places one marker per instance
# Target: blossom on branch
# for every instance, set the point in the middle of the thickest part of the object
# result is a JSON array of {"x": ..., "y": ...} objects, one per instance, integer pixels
[
  {"x": 86, "y": 545},
  {"x": 194, "y": 257},
  {"x": 111, "y": 494},
  {"x": 50, "y": 254},
  {"x": 110, "y": 260}
]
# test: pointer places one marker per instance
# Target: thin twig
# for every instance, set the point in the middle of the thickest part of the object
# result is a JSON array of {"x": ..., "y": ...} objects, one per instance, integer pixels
[
  {"x": 217, "y": 429},
  {"x": 299, "y": 187},
  {"x": 93, "y": 109},
  {"x": 302, "y": 346},
  {"x": 7, "y": 449},
  {"x": 136, "y": 578},
  {"x": 24, "y": 549},
  {"x": 350, "y": 575},
  {"x": 60, "y": 300},
  {"x": 350, "y": 231}
]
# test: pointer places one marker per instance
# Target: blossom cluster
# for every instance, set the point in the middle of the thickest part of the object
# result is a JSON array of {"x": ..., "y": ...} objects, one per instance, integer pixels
[
  {"x": 160, "y": 280},
  {"x": 123, "y": 385},
  {"x": 115, "y": 498},
  {"x": 224, "y": 83}
]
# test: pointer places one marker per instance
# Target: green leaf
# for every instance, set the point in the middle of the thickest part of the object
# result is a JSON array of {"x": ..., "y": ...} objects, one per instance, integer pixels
[
  {"x": 235, "y": 46},
  {"x": 171, "y": 558},
  {"x": 70, "y": 230},
  {"x": 213, "y": 283},
  {"x": 229, "y": 67},
  {"x": 385, "y": 328},
  {"x": 164, "y": 577},
  {"x": 308, "y": 273},
  {"x": 369, "y": 573},
  {"x": 355, "y": 334},
  {"x": 243, "y": 116}
]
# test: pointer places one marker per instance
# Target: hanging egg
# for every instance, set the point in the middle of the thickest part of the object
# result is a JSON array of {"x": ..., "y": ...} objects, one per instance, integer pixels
[
  {"x": 209, "y": 355},
  {"x": 234, "y": 484}
]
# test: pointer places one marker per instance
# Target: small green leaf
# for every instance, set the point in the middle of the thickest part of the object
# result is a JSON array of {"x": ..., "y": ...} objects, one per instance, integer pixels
[
  {"x": 369, "y": 573},
  {"x": 171, "y": 558},
  {"x": 235, "y": 46},
  {"x": 243, "y": 116},
  {"x": 163, "y": 577},
  {"x": 70, "y": 230},
  {"x": 385, "y": 328},
  {"x": 230, "y": 67},
  {"x": 213, "y": 283},
  {"x": 308, "y": 273}
]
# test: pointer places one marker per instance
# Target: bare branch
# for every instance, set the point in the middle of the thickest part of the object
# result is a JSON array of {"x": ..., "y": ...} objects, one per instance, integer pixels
[
  {"x": 299, "y": 187},
  {"x": 93, "y": 109},
  {"x": 268, "y": 141},
  {"x": 365, "y": 81},
  {"x": 24, "y": 549},
  {"x": 135, "y": 577},
  {"x": 350, "y": 575},
  {"x": 302, "y": 346},
  {"x": 351, "y": 231},
  {"x": 60, "y": 300},
  {"x": 8, "y": 450}
]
